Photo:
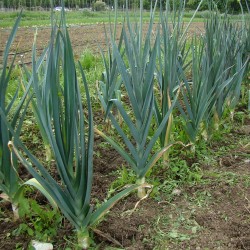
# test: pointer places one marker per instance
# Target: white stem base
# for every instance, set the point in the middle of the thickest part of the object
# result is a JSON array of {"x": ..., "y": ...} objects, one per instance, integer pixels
[
  {"x": 83, "y": 239},
  {"x": 15, "y": 211},
  {"x": 48, "y": 153},
  {"x": 141, "y": 190}
]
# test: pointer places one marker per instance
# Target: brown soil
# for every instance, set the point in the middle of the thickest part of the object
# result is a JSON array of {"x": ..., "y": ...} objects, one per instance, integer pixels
[{"x": 82, "y": 37}]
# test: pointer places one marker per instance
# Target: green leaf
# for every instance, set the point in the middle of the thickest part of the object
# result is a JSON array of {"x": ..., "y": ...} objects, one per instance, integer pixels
[{"x": 33, "y": 182}]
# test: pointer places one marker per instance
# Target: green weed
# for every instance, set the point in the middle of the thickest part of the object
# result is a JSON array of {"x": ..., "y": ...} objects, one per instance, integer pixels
[
  {"x": 174, "y": 228},
  {"x": 39, "y": 222},
  {"x": 124, "y": 176},
  {"x": 88, "y": 60}
]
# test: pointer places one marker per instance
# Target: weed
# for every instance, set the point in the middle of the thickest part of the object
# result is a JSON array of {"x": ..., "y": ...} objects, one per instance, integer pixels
[
  {"x": 125, "y": 176},
  {"x": 40, "y": 222},
  {"x": 179, "y": 170},
  {"x": 88, "y": 60},
  {"x": 175, "y": 227},
  {"x": 200, "y": 198},
  {"x": 246, "y": 181}
]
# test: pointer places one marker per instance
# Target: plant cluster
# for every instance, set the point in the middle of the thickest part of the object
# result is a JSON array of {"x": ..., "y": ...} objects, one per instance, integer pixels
[
  {"x": 151, "y": 66},
  {"x": 99, "y": 6},
  {"x": 153, "y": 76}
]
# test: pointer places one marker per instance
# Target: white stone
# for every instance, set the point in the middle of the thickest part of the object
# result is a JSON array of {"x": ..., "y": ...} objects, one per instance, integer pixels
[
  {"x": 41, "y": 245},
  {"x": 176, "y": 192}
]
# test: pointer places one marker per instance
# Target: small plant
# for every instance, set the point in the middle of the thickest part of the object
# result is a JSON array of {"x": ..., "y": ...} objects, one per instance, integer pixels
[
  {"x": 109, "y": 86},
  {"x": 27, "y": 79},
  {"x": 180, "y": 171},
  {"x": 39, "y": 222},
  {"x": 196, "y": 98},
  {"x": 9, "y": 180},
  {"x": 125, "y": 176},
  {"x": 88, "y": 60}
]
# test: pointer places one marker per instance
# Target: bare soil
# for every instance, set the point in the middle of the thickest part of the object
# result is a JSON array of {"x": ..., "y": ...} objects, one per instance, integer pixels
[{"x": 85, "y": 37}]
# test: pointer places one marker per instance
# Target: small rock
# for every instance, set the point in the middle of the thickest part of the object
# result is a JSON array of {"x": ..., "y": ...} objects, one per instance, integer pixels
[
  {"x": 41, "y": 245},
  {"x": 245, "y": 130},
  {"x": 176, "y": 192}
]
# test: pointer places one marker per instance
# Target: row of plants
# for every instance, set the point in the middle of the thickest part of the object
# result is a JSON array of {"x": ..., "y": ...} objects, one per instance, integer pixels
[{"x": 154, "y": 75}]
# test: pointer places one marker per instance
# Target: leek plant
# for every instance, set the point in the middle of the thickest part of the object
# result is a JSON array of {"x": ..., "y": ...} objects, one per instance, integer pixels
[
  {"x": 9, "y": 180},
  {"x": 217, "y": 73},
  {"x": 108, "y": 87},
  {"x": 26, "y": 81},
  {"x": 136, "y": 67},
  {"x": 173, "y": 55},
  {"x": 246, "y": 56},
  {"x": 110, "y": 84},
  {"x": 224, "y": 52},
  {"x": 70, "y": 135},
  {"x": 195, "y": 96},
  {"x": 247, "y": 42}
]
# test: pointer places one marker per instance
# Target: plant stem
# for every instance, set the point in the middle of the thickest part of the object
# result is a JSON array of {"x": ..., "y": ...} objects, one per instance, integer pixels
[
  {"x": 15, "y": 211},
  {"x": 168, "y": 131},
  {"x": 193, "y": 148},
  {"x": 167, "y": 137},
  {"x": 141, "y": 190},
  {"x": 118, "y": 96},
  {"x": 83, "y": 238},
  {"x": 48, "y": 152},
  {"x": 232, "y": 115},
  {"x": 216, "y": 121},
  {"x": 204, "y": 133}
]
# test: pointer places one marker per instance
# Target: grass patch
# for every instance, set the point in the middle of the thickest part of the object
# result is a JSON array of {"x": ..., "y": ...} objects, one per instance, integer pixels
[{"x": 42, "y": 18}]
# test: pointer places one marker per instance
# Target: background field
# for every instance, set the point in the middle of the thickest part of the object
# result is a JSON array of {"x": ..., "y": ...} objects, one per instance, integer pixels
[{"x": 42, "y": 18}]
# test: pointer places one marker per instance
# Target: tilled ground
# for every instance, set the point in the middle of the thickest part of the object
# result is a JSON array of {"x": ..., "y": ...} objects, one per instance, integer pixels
[{"x": 82, "y": 37}]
